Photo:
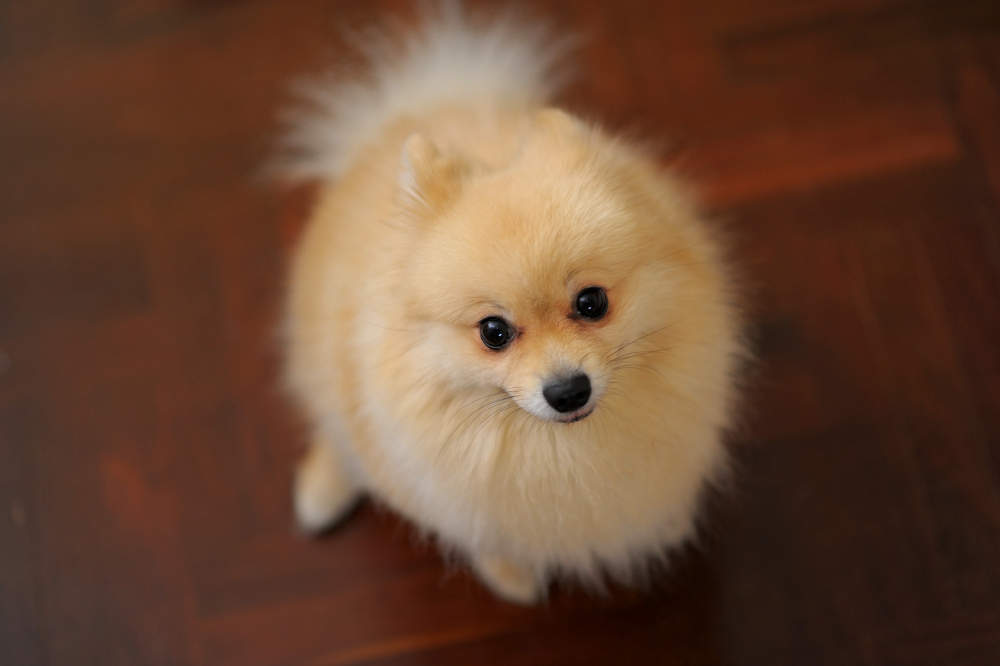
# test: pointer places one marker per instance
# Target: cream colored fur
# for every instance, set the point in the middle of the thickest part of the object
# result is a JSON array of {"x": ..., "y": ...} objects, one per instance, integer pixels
[{"x": 450, "y": 192}]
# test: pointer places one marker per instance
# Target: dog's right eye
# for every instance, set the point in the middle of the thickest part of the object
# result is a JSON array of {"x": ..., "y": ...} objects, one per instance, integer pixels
[{"x": 495, "y": 332}]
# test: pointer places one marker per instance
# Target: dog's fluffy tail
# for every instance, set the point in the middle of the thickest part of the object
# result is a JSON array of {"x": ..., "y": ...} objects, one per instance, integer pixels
[{"x": 451, "y": 57}]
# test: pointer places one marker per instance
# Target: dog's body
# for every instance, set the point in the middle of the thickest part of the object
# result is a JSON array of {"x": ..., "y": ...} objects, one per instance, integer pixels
[{"x": 459, "y": 212}]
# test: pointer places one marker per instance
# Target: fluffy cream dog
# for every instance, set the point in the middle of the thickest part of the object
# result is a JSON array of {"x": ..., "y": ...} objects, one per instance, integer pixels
[{"x": 506, "y": 325}]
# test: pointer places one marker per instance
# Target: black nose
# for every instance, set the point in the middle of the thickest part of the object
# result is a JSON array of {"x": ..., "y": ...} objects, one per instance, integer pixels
[{"x": 565, "y": 395}]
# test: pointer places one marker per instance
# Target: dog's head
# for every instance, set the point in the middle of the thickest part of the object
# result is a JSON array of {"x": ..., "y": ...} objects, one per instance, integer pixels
[{"x": 570, "y": 278}]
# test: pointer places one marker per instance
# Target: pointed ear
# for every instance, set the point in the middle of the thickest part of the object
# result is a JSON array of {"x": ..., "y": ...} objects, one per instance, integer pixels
[
  {"x": 427, "y": 178},
  {"x": 559, "y": 123}
]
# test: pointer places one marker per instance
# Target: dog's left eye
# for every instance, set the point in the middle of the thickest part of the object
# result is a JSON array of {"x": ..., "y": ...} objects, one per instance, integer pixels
[{"x": 592, "y": 303}]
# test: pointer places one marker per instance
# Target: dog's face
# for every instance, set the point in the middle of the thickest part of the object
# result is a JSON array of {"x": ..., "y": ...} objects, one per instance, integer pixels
[{"x": 550, "y": 279}]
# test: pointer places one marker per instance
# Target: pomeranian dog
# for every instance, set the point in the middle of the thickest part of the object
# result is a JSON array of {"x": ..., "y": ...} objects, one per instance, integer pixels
[{"x": 508, "y": 326}]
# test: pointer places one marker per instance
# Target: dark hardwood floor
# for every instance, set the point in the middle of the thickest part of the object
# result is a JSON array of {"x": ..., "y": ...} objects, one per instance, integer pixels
[{"x": 851, "y": 147}]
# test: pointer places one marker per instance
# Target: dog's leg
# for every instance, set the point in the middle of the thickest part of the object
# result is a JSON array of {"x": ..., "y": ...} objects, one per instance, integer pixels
[
  {"x": 508, "y": 580},
  {"x": 325, "y": 490}
]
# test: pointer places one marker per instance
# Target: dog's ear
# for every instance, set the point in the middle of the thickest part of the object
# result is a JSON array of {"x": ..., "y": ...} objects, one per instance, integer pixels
[
  {"x": 428, "y": 179},
  {"x": 559, "y": 135},
  {"x": 559, "y": 123}
]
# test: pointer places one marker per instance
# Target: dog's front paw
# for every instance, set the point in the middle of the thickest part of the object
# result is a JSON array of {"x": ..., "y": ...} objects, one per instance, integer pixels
[
  {"x": 324, "y": 490},
  {"x": 508, "y": 580}
]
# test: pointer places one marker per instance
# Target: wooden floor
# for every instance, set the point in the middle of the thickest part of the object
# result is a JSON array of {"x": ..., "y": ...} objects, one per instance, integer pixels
[{"x": 852, "y": 147}]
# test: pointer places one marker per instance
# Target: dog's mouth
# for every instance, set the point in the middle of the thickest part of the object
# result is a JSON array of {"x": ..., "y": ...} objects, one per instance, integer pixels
[{"x": 576, "y": 416}]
